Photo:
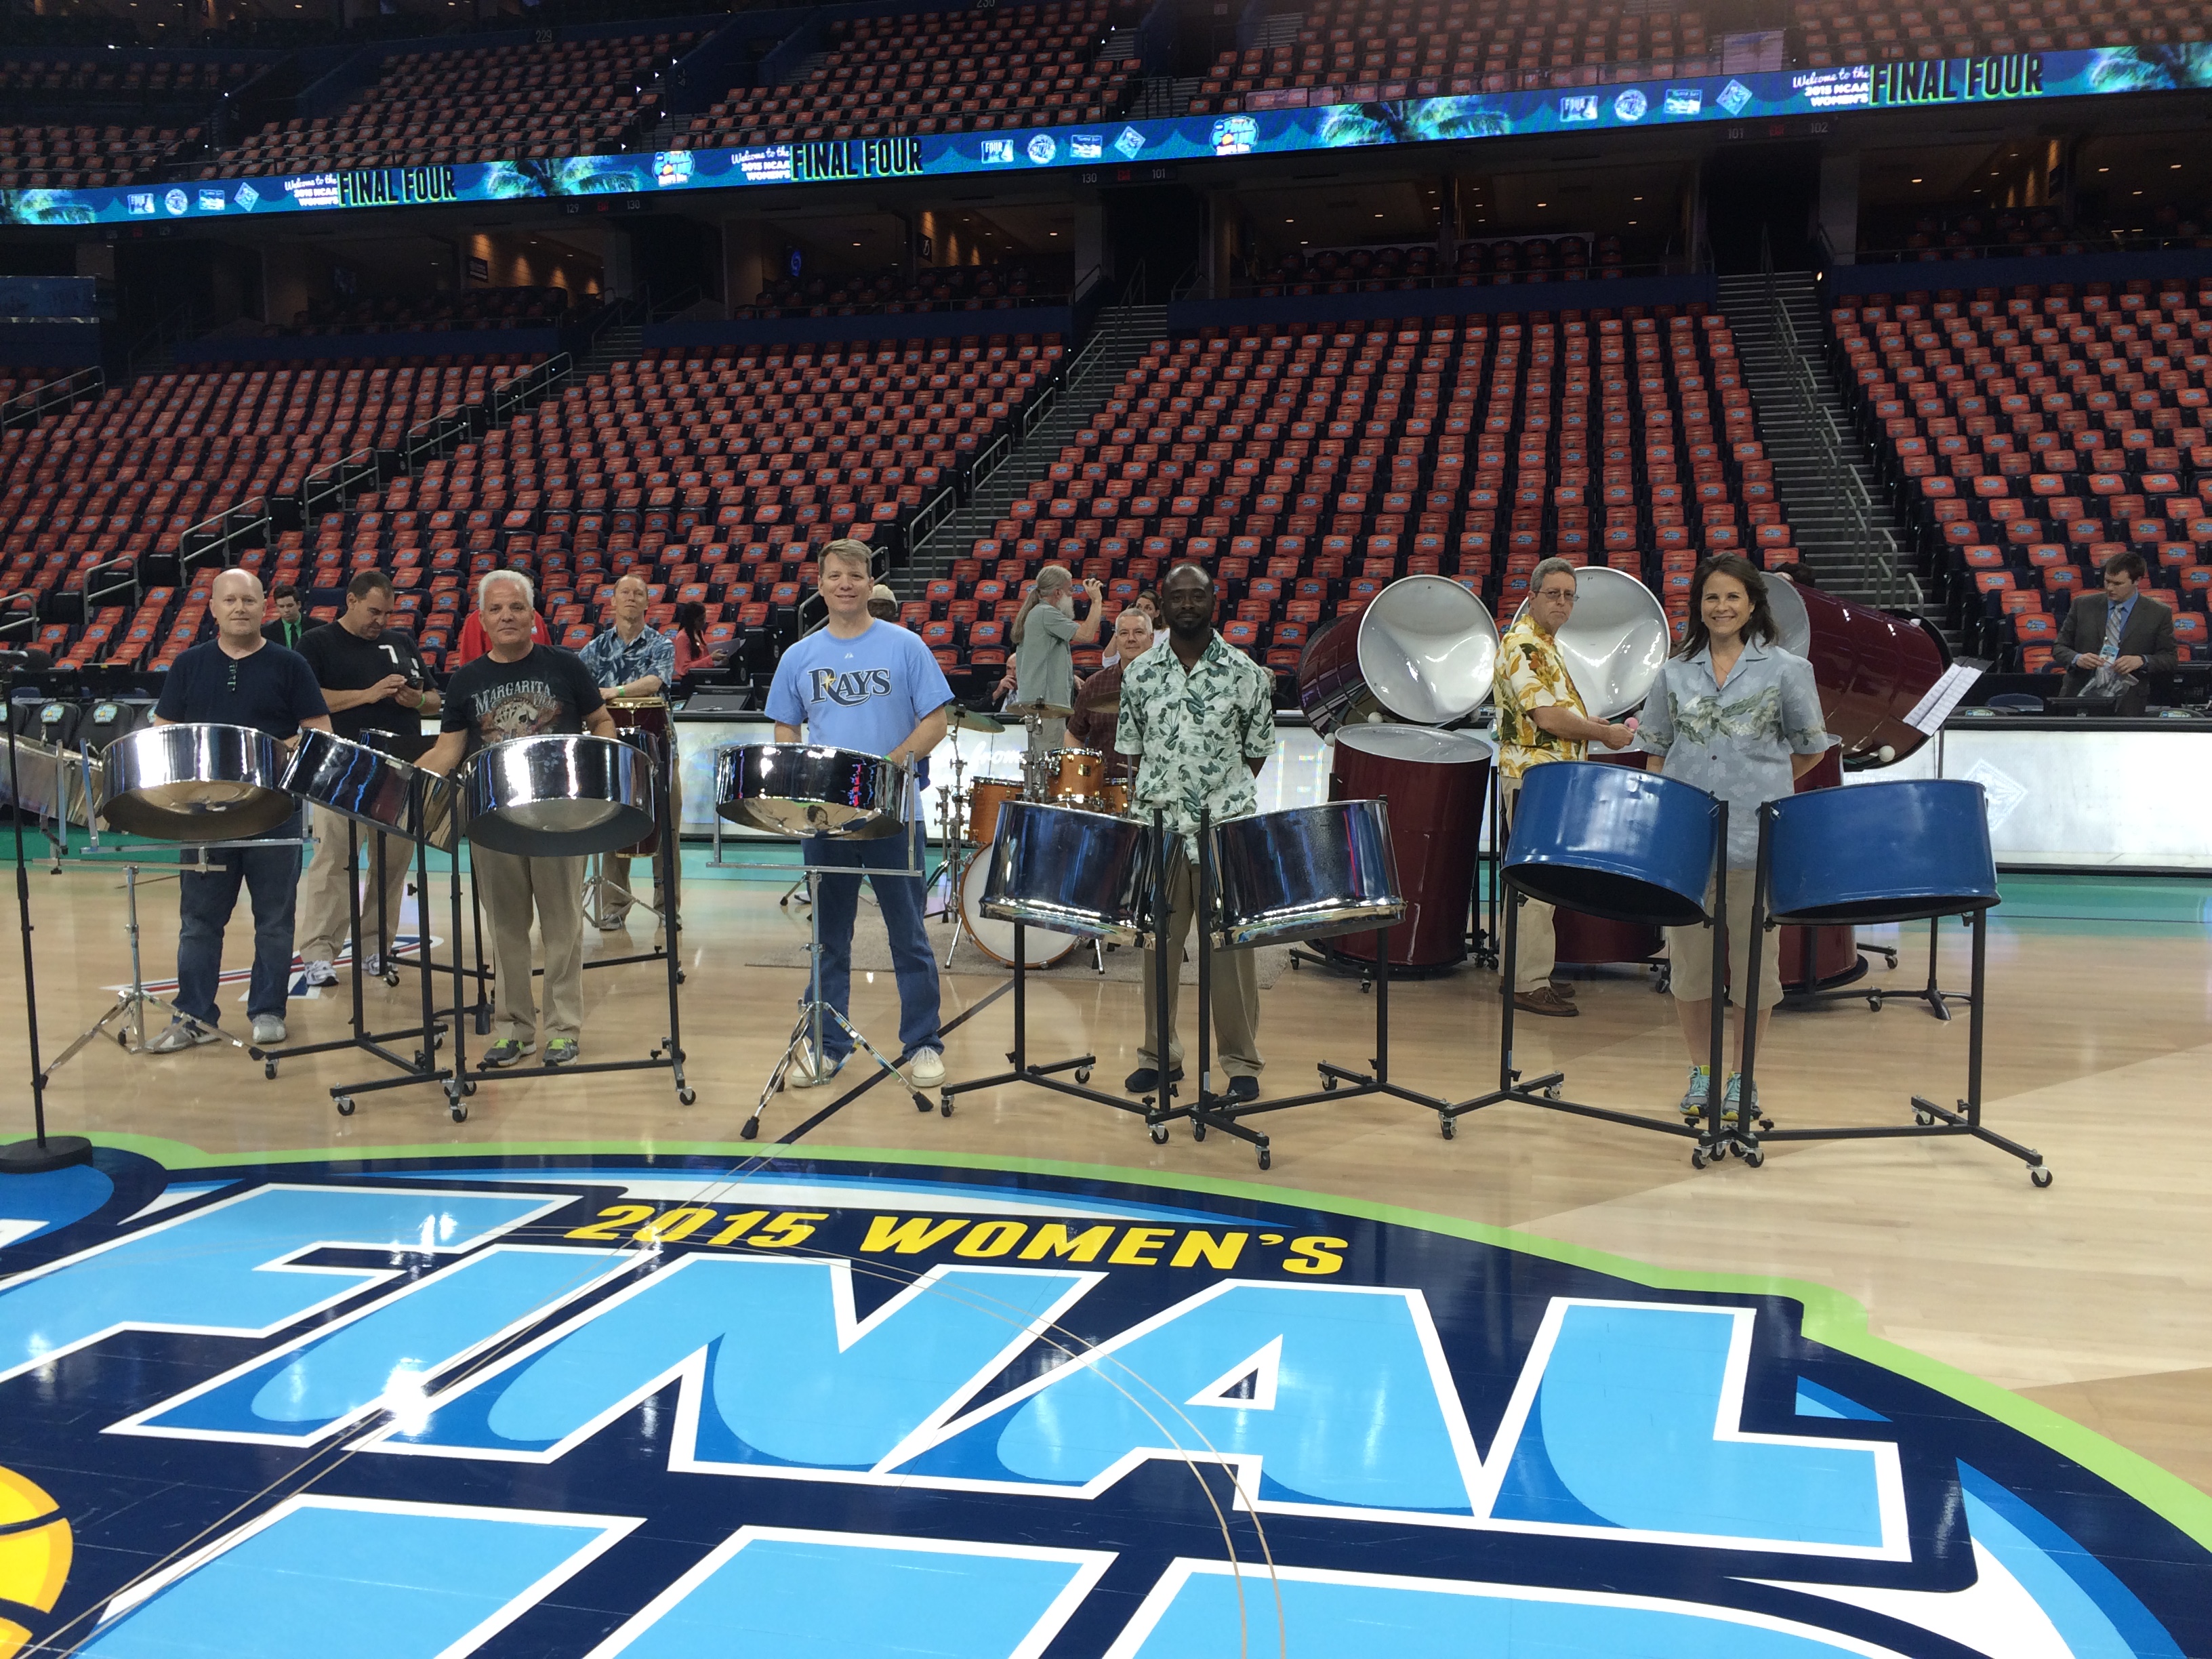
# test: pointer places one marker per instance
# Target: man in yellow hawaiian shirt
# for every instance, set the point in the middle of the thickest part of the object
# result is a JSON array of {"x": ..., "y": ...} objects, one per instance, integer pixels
[{"x": 1540, "y": 718}]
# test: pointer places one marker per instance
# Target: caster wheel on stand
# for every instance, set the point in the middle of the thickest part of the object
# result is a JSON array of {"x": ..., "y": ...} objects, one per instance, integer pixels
[
  {"x": 943, "y": 1105},
  {"x": 1697, "y": 1160},
  {"x": 1450, "y": 1127},
  {"x": 687, "y": 1095},
  {"x": 269, "y": 1070},
  {"x": 1753, "y": 1158},
  {"x": 1267, "y": 1158},
  {"x": 1197, "y": 1130},
  {"x": 2039, "y": 1175},
  {"x": 1083, "y": 1074},
  {"x": 1925, "y": 1120},
  {"x": 459, "y": 1111},
  {"x": 1874, "y": 1001},
  {"x": 468, "y": 1087},
  {"x": 344, "y": 1104},
  {"x": 1159, "y": 1134},
  {"x": 1328, "y": 1086}
]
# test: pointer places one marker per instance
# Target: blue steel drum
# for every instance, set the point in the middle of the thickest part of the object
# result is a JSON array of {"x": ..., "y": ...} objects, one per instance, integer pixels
[
  {"x": 1882, "y": 852},
  {"x": 1608, "y": 841}
]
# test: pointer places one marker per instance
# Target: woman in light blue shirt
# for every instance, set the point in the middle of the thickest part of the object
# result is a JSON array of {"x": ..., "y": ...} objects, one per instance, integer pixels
[{"x": 1740, "y": 718}]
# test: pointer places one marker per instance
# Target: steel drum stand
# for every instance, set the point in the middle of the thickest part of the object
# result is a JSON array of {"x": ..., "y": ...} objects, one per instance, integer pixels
[
  {"x": 815, "y": 1008},
  {"x": 1714, "y": 1137},
  {"x": 1206, "y": 1110},
  {"x": 667, "y": 1055},
  {"x": 42, "y": 1152},
  {"x": 1928, "y": 1118},
  {"x": 430, "y": 1033},
  {"x": 131, "y": 1004},
  {"x": 1046, "y": 1075}
]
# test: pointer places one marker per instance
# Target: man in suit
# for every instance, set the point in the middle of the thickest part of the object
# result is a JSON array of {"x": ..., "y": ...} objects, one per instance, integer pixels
[
  {"x": 288, "y": 625},
  {"x": 2127, "y": 630}
]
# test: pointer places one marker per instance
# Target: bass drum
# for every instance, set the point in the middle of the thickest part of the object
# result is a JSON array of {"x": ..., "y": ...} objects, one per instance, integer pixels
[
  {"x": 994, "y": 938},
  {"x": 1438, "y": 784},
  {"x": 1871, "y": 666}
]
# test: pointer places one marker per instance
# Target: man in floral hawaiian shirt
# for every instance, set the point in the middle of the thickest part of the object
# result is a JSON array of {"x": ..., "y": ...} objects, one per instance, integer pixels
[
  {"x": 1200, "y": 717},
  {"x": 1540, "y": 718}
]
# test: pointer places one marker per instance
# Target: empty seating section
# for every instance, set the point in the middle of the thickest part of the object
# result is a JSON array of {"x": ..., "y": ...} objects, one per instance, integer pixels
[
  {"x": 1359, "y": 50},
  {"x": 716, "y": 478},
  {"x": 1830, "y": 32},
  {"x": 1492, "y": 260},
  {"x": 973, "y": 287},
  {"x": 476, "y": 104},
  {"x": 111, "y": 77},
  {"x": 1971, "y": 230},
  {"x": 1308, "y": 469},
  {"x": 471, "y": 309},
  {"x": 2031, "y": 435},
  {"x": 70, "y": 157},
  {"x": 939, "y": 72},
  {"x": 122, "y": 477}
]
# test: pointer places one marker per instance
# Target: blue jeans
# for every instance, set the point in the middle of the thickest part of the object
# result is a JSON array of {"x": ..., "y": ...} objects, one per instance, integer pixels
[
  {"x": 204, "y": 903},
  {"x": 837, "y": 899}
]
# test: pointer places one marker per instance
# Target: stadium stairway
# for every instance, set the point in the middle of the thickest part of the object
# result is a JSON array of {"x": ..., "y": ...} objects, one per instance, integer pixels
[
  {"x": 1844, "y": 533},
  {"x": 1118, "y": 341}
]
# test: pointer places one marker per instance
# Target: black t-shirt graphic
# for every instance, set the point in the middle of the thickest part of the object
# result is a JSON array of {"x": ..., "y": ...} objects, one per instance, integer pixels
[{"x": 549, "y": 691}]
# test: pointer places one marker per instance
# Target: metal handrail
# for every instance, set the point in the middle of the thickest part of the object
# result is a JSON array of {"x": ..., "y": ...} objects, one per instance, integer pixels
[
  {"x": 1872, "y": 544},
  {"x": 28, "y": 408}
]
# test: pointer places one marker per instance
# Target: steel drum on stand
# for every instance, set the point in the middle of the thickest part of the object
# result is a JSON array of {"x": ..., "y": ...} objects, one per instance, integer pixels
[
  {"x": 1086, "y": 874},
  {"x": 1309, "y": 872},
  {"x": 1586, "y": 941},
  {"x": 1438, "y": 784},
  {"x": 807, "y": 789},
  {"x": 554, "y": 796},
  {"x": 1871, "y": 666},
  {"x": 1882, "y": 853},
  {"x": 373, "y": 788},
  {"x": 1626, "y": 845},
  {"x": 1815, "y": 957},
  {"x": 1422, "y": 651},
  {"x": 195, "y": 782}
]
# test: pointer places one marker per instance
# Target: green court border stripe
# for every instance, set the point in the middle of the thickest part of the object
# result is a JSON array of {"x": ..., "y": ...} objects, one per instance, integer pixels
[{"x": 1830, "y": 1317}]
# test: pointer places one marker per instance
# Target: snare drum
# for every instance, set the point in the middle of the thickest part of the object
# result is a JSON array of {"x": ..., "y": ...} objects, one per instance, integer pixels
[
  {"x": 984, "y": 799},
  {"x": 1069, "y": 777},
  {"x": 643, "y": 722}
]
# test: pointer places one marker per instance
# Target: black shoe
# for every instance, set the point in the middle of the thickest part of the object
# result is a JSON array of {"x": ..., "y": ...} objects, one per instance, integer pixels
[
  {"x": 1241, "y": 1089},
  {"x": 1145, "y": 1079}
]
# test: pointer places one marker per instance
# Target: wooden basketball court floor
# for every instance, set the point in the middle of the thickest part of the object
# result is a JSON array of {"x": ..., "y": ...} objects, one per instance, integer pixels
[{"x": 2093, "y": 1298}]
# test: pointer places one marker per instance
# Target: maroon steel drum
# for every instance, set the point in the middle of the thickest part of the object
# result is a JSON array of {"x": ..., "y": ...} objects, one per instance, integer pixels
[
  {"x": 1438, "y": 784},
  {"x": 1587, "y": 940},
  {"x": 1871, "y": 666},
  {"x": 1812, "y": 957},
  {"x": 1422, "y": 651}
]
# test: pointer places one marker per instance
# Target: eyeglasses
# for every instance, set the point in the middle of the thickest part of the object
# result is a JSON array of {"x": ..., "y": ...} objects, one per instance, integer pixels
[
  {"x": 1565, "y": 596},
  {"x": 234, "y": 674}
]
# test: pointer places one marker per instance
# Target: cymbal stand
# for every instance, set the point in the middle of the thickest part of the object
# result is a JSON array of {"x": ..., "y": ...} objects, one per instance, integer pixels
[
  {"x": 807, "y": 1032},
  {"x": 1048, "y": 1075},
  {"x": 1206, "y": 1110},
  {"x": 1928, "y": 1118},
  {"x": 430, "y": 1032},
  {"x": 1713, "y": 1137},
  {"x": 42, "y": 1151},
  {"x": 667, "y": 1055}
]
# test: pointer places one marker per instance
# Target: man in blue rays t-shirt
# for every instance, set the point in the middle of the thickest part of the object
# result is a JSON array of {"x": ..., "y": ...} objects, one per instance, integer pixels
[{"x": 872, "y": 686}]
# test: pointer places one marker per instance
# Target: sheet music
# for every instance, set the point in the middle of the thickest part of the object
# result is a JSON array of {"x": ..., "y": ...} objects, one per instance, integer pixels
[{"x": 1928, "y": 714}]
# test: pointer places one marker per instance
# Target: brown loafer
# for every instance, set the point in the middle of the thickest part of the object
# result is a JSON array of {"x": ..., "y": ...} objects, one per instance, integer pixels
[
  {"x": 1563, "y": 987},
  {"x": 1547, "y": 1001}
]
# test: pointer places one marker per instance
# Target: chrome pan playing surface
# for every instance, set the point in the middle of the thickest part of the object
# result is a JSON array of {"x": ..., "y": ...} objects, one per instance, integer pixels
[
  {"x": 194, "y": 782},
  {"x": 809, "y": 789},
  {"x": 552, "y": 796}
]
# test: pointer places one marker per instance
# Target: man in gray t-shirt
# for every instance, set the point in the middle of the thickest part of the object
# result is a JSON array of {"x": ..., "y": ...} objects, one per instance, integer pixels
[{"x": 1045, "y": 635}]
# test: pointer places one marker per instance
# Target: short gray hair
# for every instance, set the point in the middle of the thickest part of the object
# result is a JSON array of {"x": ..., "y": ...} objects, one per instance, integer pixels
[
  {"x": 1550, "y": 567},
  {"x": 529, "y": 587}
]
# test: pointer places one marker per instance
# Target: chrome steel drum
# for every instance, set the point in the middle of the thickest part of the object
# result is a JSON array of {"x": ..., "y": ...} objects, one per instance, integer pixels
[
  {"x": 55, "y": 782},
  {"x": 1625, "y": 845},
  {"x": 1882, "y": 852},
  {"x": 1615, "y": 645},
  {"x": 1083, "y": 873},
  {"x": 810, "y": 789},
  {"x": 372, "y": 788},
  {"x": 551, "y": 796},
  {"x": 1423, "y": 651},
  {"x": 194, "y": 783},
  {"x": 1438, "y": 784},
  {"x": 1309, "y": 872}
]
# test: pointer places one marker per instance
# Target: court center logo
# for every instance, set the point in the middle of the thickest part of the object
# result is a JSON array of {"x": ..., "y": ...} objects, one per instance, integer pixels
[{"x": 587, "y": 1406}]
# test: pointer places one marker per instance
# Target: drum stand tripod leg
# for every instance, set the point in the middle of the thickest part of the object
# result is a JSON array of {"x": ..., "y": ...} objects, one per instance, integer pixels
[{"x": 132, "y": 1003}]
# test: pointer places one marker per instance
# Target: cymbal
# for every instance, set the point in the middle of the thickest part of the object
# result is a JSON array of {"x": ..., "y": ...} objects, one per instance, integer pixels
[
  {"x": 1044, "y": 711},
  {"x": 974, "y": 719}
]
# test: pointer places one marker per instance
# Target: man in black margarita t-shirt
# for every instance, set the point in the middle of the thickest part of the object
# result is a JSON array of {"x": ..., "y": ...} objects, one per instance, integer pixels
[{"x": 519, "y": 689}]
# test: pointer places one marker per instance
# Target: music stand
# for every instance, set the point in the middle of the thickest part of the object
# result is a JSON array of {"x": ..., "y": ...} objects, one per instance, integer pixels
[
  {"x": 1048, "y": 1075},
  {"x": 1929, "y": 1118},
  {"x": 43, "y": 1152},
  {"x": 1714, "y": 1137}
]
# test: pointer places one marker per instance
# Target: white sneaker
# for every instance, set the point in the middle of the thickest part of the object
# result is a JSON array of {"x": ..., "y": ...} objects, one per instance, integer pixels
[
  {"x": 924, "y": 1068},
  {"x": 267, "y": 1029},
  {"x": 804, "y": 1073},
  {"x": 180, "y": 1035},
  {"x": 321, "y": 972},
  {"x": 375, "y": 966}
]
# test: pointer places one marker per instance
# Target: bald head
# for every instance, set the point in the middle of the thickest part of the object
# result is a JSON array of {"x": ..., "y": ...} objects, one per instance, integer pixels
[
  {"x": 235, "y": 601},
  {"x": 631, "y": 597}
]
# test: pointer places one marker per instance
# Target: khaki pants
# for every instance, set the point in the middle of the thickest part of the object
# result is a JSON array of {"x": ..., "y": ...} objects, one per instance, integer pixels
[
  {"x": 1690, "y": 952},
  {"x": 511, "y": 888},
  {"x": 325, "y": 887},
  {"x": 1535, "y": 946},
  {"x": 1235, "y": 988}
]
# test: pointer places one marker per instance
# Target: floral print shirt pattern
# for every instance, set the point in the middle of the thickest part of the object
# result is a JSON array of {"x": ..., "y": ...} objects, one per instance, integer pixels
[
  {"x": 1532, "y": 675},
  {"x": 1195, "y": 733}
]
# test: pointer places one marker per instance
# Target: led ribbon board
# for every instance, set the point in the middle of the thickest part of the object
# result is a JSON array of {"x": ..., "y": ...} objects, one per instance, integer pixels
[{"x": 1366, "y": 116}]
